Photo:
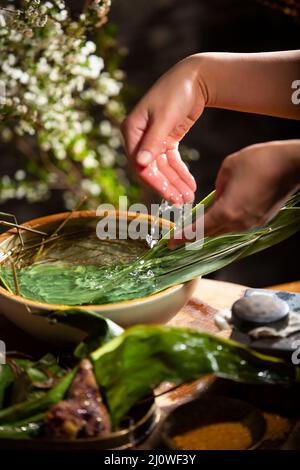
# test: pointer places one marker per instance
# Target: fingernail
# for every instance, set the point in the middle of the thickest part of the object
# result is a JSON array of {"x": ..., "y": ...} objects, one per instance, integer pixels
[
  {"x": 189, "y": 196},
  {"x": 144, "y": 158}
]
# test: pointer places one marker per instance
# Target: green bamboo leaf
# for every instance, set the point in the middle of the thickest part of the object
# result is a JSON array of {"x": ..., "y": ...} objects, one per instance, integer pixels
[
  {"x": 35, "y": 378},
  {"x": 158, "y": 269},
  {"x": 26, "y": 429},
  {"x": 206, "y": 202},
  {"x": 29, "y": 408},
  {"x": 131, "y": 365}
]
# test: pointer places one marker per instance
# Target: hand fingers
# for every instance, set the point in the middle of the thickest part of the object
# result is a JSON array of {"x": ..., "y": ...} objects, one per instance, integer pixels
[
  {"x": 180, "y": 168},
  {"x": 153, "y": 177},
  {"x": 133, "y": 129},
  {"x": 153, "y": 142},
  {"x": 174, "y": 178}
]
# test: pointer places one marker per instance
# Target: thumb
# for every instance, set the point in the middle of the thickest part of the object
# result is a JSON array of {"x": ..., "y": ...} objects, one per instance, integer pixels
[
  {"x": 154, "y": 142},
  {"x": 214, "y": 223}
]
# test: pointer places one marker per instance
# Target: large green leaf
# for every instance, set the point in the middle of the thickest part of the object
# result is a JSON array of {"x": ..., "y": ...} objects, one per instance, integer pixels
[
  {"x": 130, "y": 366},
  {"x": 99, "y": 329}
]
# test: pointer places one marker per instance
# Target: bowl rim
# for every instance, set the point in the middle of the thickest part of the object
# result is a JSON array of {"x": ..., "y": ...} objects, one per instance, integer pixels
[{"x": 34, "y": 223}]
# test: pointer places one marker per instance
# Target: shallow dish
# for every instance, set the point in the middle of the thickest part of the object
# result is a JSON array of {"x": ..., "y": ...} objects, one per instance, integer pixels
[
  {"x": 157, "y": 308},
  {"x": 213, "y": 410},
  {"x": 144, "y": 418}
]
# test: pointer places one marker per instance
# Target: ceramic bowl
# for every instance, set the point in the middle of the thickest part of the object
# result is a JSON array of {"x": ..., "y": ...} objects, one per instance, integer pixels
[
  {"x": 157, "y": 308},
  {"x": 208, "y": 411}
]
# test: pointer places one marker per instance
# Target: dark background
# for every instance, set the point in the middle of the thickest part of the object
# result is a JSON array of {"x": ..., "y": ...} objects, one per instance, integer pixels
[{"x": 157, "y": 34}]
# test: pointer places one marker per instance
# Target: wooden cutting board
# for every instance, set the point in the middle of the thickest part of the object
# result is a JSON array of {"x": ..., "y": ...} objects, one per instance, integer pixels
[{"x": 209, "y": 297}]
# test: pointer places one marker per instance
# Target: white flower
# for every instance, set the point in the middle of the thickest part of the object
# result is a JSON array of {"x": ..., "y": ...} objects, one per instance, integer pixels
[
  {"x": 109, "y": 85},
  {"x": 62, "y": 15},
  {"x": 60, "y": 154},
  {"x": 2, "y": 21},
  {"x": 88, "y": 48},
  {"x": 54, "y": 75},
  {"x": 99, "y": 98},
  {"x": 90, "y": 161},
  {"x": 29, "y": 96},
  {"x": 87, "y": 126},
  {"x": 107, "y": 155},
  {"x": 24, "y": 78},
  {"x": 42, "y": 66},
  {"x": 20, "y": 192},
  {"x": 95, "y": 65},
  {"x": 20, "y": 175},
  {"x": 105, "y": 128},
  {"x": 79, "y": 146},
  {"x": 22, "y": 109},
  {"x": 114, "y": 142},
  {"x": 114, "y": 107},
  {"x": 91, "y": 187},
  {"x": 11, "y": 59},
  {"x": 41, "y": 100}
]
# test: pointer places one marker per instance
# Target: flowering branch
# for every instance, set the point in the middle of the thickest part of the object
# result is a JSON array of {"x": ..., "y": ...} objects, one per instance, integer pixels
[{"x": 62, "y": 102}]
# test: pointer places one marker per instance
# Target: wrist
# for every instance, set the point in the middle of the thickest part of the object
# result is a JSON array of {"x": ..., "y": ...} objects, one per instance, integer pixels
[{"x": 202, "y": 66}]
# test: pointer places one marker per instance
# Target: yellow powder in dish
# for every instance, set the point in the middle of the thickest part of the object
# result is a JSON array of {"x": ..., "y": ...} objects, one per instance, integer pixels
[
  {"x": 277, "y": 427},
  {"x": 218, "y": 436}
]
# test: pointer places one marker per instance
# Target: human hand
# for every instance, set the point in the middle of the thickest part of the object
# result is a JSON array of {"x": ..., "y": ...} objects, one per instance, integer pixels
[
  {"x": 251, "y": 187},
  {"x": 155, "y": 127}
]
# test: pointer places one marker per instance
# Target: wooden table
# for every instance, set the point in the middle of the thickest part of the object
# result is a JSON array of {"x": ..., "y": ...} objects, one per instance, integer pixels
[{"x": 209, "y": 297}]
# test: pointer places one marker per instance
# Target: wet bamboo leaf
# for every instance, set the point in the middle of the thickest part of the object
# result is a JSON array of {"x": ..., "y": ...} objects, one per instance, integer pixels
[{"x": 157, "y": 270}]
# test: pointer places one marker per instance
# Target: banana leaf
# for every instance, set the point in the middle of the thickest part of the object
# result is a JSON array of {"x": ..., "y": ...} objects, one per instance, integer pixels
[
  {"x": 98, "y": 328},
  {"x": 131, "y": 365}
]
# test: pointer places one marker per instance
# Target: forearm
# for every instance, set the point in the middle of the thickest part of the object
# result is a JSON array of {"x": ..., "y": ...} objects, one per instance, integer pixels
[{"x": 256, "y": 83}]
